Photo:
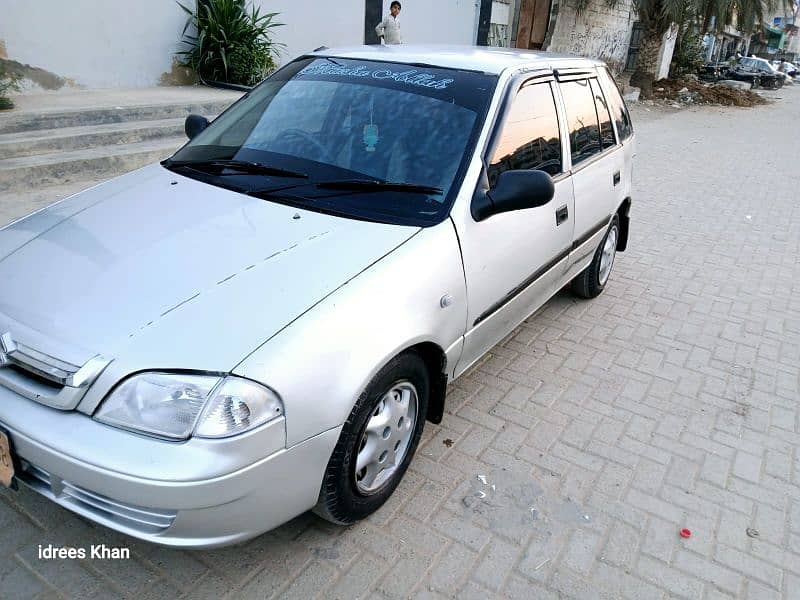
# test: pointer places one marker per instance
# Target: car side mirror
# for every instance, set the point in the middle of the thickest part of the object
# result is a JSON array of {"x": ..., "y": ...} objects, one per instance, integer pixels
[
  {"x": 514, "y": 190},
  {"x": 194, "y": 125}
]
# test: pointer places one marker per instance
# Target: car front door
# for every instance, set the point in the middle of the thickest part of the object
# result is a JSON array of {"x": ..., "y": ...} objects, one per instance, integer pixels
[{"x": 513, "y": 260}]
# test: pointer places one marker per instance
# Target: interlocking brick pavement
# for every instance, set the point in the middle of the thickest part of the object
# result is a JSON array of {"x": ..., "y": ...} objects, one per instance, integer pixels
[{"x": 601, "y": 428}]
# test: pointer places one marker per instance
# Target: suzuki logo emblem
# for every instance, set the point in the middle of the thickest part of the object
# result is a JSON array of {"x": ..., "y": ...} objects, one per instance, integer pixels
[{"x": 7, "y": 346}]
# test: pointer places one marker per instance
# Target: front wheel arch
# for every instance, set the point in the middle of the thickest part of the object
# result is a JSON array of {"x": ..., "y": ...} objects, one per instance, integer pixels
[
  {"x": 340, "y": 499},
  {"x": 436, "y": 363}
]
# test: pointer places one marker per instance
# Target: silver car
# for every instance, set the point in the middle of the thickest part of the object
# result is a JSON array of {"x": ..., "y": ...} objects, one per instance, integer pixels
[{"x": 200, "y": 350}]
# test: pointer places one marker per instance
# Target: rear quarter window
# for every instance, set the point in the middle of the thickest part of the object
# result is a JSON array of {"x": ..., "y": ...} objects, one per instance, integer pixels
[
  {"x": 619, "y": 112},
  {"x": 603, "y": 114}
]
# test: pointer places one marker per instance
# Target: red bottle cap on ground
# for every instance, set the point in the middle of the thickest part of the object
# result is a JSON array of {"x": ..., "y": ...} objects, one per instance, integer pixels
[{"x": 686, "y": 533}]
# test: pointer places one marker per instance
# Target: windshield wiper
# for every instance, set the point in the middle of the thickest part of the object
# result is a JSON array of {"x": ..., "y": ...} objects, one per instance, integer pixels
[
  {"x": 377, "y": 185},
  {"x": 241, "y": 166}
]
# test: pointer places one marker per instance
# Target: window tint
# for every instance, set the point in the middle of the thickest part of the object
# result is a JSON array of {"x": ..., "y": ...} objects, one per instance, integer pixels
[
  {"x": 584, "y": 132},
  {"x": 619, "y": 111},
  {"x": 606, "y": 130},
  {"x": 530, "y": 137}
]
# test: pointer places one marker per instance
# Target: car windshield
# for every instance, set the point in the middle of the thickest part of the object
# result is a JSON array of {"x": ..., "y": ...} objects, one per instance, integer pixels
[{"x": 363, "y": 139}]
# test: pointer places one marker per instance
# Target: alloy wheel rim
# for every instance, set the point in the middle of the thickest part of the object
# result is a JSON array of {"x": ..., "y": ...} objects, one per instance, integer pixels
[
  {"x": 607, "y": 256},
  {"x": 387, "y": 436}
]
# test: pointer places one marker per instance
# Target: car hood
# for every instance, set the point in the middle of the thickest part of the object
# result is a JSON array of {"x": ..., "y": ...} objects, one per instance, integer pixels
[{"x": 173, "y": 273}]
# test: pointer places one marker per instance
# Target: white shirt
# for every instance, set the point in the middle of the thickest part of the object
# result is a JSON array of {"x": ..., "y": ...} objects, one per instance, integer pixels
[{"x": 389, "y": 28}]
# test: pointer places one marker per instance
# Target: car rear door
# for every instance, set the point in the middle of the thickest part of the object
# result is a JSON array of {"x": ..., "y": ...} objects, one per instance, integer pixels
[
  {"x": 513, "y": 260},
  {"x": 597, "y": 163}
]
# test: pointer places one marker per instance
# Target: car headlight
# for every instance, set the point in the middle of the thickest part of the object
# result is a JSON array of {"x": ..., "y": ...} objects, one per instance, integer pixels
[{"x": 176, "y": 406}]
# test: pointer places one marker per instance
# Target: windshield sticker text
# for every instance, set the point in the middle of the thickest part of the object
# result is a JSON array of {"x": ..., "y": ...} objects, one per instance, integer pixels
[{"x": 413, "y": 77}]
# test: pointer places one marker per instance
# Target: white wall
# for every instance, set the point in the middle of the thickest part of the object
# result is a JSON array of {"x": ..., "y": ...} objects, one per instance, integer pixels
[
  {"x": 437, "y": 21},
  {"x": 98, "y": 43},
  {"x": 111, "y": 43},
  {"x": 310, "y": 24}
]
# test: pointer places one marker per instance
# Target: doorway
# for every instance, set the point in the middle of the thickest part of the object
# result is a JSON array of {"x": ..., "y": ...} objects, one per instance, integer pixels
[
  {"x": 373, "y": 14},
  {"x": 534, "y": 17},
  {"x": 633, "y": 47}
]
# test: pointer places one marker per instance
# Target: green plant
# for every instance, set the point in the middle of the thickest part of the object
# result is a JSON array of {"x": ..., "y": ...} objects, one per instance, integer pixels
[
  {"x": 689, "y": 55},
  {"x": 229, "y": 43},
  {"x": 250, "y": 64},
  {"x": 8, "y": 82}
]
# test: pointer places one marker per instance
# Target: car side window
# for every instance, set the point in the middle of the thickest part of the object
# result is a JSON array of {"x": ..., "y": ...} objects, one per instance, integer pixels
[
  {"x": 530, "y": 138},
  {"x": 584, "y": 129},
  {"x": 604, "y": 115},
  {"x": 619, "y": 111}
]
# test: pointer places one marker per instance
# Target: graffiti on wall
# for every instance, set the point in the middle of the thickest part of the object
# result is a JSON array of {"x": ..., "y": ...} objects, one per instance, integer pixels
[{"x": 601, "y": 33}]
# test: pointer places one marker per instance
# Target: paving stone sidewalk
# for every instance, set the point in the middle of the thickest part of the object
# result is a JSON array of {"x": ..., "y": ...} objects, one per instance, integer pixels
[{"x": 571, "y": 457}]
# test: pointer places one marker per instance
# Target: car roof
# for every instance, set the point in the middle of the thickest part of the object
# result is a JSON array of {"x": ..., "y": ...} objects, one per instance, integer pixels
[{"x": 473, "y": 58}]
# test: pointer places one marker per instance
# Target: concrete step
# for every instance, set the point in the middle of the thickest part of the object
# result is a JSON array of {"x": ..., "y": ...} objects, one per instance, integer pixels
[
  {"x": 27, "y": 172},
  {"x": 15, "y": 205},
  {"x": 77, "y": 117},
  {"x": 44, "y": 141}
]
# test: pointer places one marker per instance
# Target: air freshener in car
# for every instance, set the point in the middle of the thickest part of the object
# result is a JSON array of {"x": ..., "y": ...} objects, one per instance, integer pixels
[{"x": 371, "y": 137}]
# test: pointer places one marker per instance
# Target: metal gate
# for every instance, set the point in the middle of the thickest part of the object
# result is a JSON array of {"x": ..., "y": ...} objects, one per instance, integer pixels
[{"x": 633, "y": 49}]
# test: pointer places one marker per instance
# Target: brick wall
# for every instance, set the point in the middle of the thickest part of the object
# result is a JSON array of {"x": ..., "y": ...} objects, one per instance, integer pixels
[{"x": 599, "y": 31}]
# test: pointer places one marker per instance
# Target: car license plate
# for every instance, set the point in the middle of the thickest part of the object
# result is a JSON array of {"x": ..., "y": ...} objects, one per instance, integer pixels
[{"x": 6, "y": 463}]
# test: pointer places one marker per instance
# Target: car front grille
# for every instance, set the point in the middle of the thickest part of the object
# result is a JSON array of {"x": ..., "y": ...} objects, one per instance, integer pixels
[
  {"x": 44, "y": 378},
  {"x": 95, "y": 506}
]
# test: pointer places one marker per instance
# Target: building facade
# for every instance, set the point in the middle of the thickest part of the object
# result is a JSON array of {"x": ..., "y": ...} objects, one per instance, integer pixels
[
  {"x": 779, "y": 36},
  {"x": 96, "y": 43},
  {"x": 600, "y": 29},
  {"x": 101, "y": 44}
]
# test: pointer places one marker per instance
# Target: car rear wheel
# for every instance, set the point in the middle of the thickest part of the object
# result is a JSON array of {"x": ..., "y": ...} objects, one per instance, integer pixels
[
  {"x": 592, "y": 280},
  {"x": 377, "y": 442}
]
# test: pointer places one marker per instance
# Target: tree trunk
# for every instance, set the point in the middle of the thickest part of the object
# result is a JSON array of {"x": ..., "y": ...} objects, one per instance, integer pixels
[
  {"x": 645, "y": 73},
  {"x": 707, "y": 18},
  {"x": 678, "y": 48}
]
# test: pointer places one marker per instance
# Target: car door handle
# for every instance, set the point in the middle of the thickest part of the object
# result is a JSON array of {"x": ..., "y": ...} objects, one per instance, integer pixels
[
  {"x": 562, "y": 214},
  {"x": 617, "y": 178}
]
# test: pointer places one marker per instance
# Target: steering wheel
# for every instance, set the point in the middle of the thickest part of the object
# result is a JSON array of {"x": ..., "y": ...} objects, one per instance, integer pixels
[{"x": 308, "y": 138}]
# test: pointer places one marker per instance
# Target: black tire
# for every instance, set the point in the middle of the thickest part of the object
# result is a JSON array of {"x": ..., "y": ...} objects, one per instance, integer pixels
[
  {"x": 340, "y": 499},
  {"x": 587, "y": 284}
]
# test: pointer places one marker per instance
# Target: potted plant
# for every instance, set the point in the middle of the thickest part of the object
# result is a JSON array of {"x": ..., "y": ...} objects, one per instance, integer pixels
[{"x": 229, "y": 44}]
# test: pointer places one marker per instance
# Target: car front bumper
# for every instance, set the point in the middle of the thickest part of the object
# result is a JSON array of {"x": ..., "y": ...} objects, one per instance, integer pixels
[{"x": 174, "y": 494}]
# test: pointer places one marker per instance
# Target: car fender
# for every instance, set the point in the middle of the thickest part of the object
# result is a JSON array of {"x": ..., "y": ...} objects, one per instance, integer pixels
[{"x": 321, "y": 362}]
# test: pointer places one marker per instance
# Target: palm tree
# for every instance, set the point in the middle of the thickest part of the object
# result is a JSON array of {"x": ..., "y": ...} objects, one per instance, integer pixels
[{"x": 656, "y": 16}]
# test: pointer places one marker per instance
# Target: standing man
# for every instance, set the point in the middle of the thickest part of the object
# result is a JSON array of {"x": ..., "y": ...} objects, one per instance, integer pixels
[{"x": 389, "y": 29}]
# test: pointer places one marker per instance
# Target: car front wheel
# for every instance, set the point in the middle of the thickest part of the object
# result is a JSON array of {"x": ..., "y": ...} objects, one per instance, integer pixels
[
  {"x": 377, "y": 442},
  {"x": 592, "y": 280}
]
